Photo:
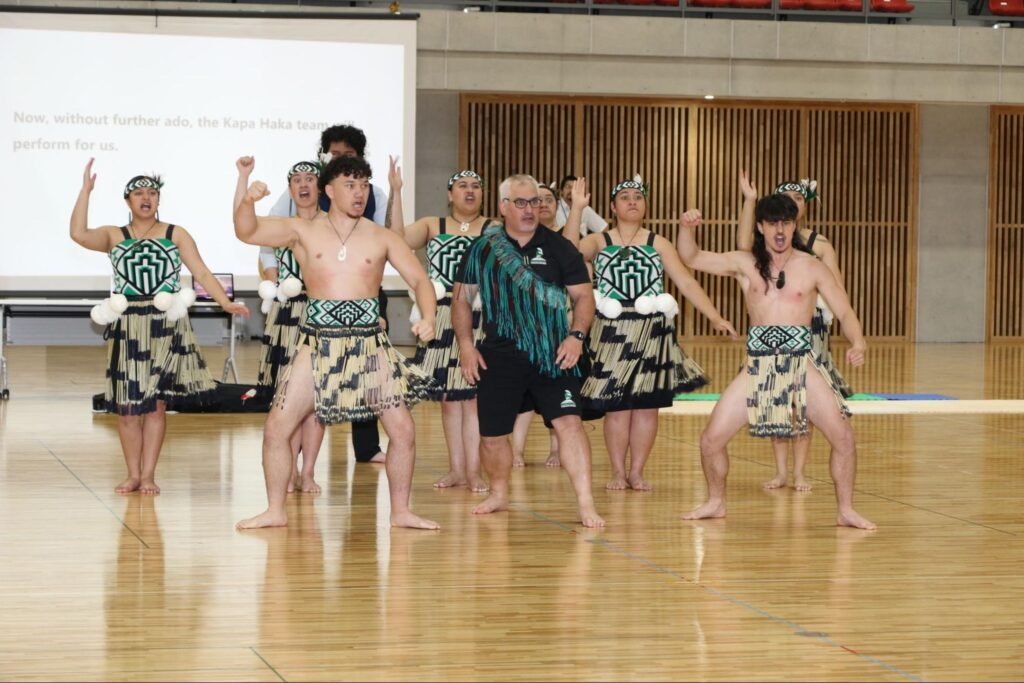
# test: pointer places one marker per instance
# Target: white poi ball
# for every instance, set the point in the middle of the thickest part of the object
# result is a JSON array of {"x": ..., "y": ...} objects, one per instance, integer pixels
[
  {"x": 96, "y": 313},
  {"x": 439, "y": 290},
  {"x": 267, "y": 289},
  {"x": 644, "y": 305},
  {"x": 611, "y": 308},
  {"x": 598, "y": 297},
  {"x": 187, "y": 296},
  {"x": 266, "y": 305},
  {"x": 414, "y": 314},
  {"x": 291, "y": 287},
  {"x": 119, "y": 303},
  {"x": 478, "y": 303},
  {"x": 163, "y": 300},
  {"x": 665, "y": 303},
  {"x": 177, "y": 311}
]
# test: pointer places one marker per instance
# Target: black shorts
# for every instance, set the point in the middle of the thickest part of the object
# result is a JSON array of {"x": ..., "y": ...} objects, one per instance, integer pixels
[{"x": 509, "y": 380}]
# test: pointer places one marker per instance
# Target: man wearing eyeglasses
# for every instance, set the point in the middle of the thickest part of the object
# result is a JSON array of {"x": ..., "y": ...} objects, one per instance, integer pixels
[{"x": 523, "y": 273}]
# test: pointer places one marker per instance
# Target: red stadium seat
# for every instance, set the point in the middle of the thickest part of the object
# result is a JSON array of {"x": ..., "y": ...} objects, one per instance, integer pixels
[
  {"x": 1007, "y": 8},
  {"x": 821, "y": 5},
  {"x": 667, "y": 3},
  {"x": 851, "y": 5},
  {"x": 707, "y": 3},
  {"x": 895, "y": 6},
  {"x": 791, "y": 4},
  {"x": 636, "y": 2},
  {"x": 752, "y": 4}
]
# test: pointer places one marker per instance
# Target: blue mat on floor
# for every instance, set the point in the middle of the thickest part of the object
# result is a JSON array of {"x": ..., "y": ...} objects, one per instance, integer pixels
[{"x": 916, "y": 397}]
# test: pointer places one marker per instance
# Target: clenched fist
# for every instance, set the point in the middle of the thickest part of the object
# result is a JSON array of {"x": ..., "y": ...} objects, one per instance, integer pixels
[{"x": 257, "y": 191}]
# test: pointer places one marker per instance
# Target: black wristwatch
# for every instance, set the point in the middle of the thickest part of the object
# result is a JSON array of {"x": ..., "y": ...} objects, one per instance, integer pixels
[{"x": 579, "y": 335}]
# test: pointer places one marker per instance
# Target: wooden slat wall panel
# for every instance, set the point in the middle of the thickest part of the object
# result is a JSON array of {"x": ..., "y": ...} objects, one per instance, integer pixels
[
  {"x": 1005, "y": 315},
  {"x": 690, "y": 152}
]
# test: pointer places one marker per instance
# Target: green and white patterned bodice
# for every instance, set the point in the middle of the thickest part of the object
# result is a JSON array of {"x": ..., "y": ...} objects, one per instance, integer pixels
[
  {"x": 146, "y": 267},
  {"x": 444, "y": 254},
  {"x": 287, "y": 266},
  {"x": 625, "y": 273}
]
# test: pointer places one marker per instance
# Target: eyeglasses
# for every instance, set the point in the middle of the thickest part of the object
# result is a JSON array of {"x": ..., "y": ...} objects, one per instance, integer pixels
[{"x": 523, "y": 203}]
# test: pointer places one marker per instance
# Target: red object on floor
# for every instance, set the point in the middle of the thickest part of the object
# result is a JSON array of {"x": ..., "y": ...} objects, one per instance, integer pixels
[
  {"x": 851, "y": 5},
  {"x": 1007, "y": 8},
  {"x": 667, "y": 3},
  {"x": 791, "y": 4},
  {"x": 752, "y": 4},
  {"x": 821, "y": 5},
  {"x": 896, "y": 6}
]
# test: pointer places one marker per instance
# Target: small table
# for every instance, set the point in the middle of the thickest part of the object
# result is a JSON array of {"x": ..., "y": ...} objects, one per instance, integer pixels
[{"x": 205, "y": 306}]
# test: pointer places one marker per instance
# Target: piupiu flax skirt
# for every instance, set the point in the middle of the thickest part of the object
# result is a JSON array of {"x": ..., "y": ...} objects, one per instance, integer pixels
[
  {"x": 357, "y": 373},
  {"x": 150, "y": 359},
  {"x": 777, "y": 367},
  {"x": 820, "y": 344},
  {"x": 637, "y": 363},
  {"x": 439, "y": 357},
  {"x": 280, "y": 339}
]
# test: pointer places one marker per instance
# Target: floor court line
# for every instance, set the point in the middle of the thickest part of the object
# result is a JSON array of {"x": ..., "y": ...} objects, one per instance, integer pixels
[{"x": 93, "y": 493}]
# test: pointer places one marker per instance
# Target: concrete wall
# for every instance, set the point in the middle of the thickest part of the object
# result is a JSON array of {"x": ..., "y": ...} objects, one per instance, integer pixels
[
  {"x": 579, "y": 54},
  {"x": 952, "y": 223}
]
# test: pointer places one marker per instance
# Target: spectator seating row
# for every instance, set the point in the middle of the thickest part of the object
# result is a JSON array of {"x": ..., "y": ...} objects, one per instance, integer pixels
[
  {"x": 896, "y": 6},
  {"x": 1006, "y": 8}
]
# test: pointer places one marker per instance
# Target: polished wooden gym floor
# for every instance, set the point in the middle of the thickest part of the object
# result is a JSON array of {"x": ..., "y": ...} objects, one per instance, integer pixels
[{"x": 100, "y": 586}]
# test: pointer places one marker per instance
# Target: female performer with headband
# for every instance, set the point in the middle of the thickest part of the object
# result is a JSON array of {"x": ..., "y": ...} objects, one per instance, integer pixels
[
  {"x": 154, "y": 361},
  {"x": 638, "y": 364},
  {"x": 447, "y": 238}
]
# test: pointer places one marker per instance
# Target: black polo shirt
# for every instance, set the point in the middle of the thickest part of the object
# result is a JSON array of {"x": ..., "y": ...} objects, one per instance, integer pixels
[{"x": 550, "y": 256}]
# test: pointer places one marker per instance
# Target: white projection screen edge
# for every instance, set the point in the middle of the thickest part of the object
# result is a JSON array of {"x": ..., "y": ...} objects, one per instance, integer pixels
[{"x": 183, "y": 97}]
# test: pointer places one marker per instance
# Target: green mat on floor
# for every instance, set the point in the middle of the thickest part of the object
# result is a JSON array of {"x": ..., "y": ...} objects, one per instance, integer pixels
[
  {"x": 866, "y": 397},
  {"x": 697, "y": 397}
]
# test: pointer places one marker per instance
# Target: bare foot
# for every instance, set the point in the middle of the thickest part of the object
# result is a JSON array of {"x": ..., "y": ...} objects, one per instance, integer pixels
[
  {"x": 617, "y": 484},
  {"x": 776, "y": 483},
  {"x": 309, "y": 485},
  {"x": 710, "y": 509},
  {"x": 589, "y": 517},
  {"x": 148, "y": 487},
  {"x": 553, "y": 461},
  {"x": 267, "y": 519},
  {"x": 293, "y": 483},
  {"x": 408, "y": 520},
  {"x": 638, "y": 483},
  {"x": 494, "y": 503},
  {"x": 380, "y": 457},
  {"x": 518, "y": 460},
  {"x": 851, "y": 518},
  {"x": 478, "y": 485},
  {"x": 449, "y": 480},
  {"x": 801, "y": 484},
  {"x": 128, "y": 485}
]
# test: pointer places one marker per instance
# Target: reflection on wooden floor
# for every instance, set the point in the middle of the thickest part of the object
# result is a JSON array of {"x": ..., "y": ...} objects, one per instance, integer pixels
[{"x": 94, "y": 585}]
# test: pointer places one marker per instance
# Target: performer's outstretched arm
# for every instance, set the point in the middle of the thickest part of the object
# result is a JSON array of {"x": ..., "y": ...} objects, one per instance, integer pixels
[
  {"x": 580, "y": 201},
  {"x": 409, "y": 267},
  {"x": 729, "y": 263},
  {"x": 99, "y": 238},
  {"x": 689, "y": 287},
  {"x": 745, "y": 228},
  {"x": 264, "y": 231},
  {"x": 201, "y": 273},
  {"x": 838, "y": 301}
]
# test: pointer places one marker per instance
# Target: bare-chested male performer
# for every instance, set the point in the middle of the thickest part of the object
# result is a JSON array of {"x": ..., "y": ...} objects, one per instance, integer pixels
[
  {"x": 783, "y": 385},
  {"x": 345, "y": 369}
]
